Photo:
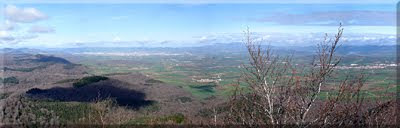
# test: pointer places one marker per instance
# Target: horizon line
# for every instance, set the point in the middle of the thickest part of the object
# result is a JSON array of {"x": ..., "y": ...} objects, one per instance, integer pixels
[{"x": 206, "y": 1}]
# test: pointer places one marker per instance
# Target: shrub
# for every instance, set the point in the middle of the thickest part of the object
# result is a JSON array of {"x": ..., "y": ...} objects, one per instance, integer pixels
[
  {"x": 35, "y": 91},
  {"x": 176, "y": 118},
  {"x": 184, "y": 99},
  {"x": 10, "y": 80},
  {"x": 69, "y": 66},
  {"x": 153, "y": 81},
  {"x": 25, "y": 69},
  {"x": 88, "y": 80},
  {"x": 65, "y": 81},
  {"x": 152, "y": 108},
  {"x": 4, "y": 95}
]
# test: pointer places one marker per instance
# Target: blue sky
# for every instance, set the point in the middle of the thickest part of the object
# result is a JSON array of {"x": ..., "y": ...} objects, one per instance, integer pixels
[{"x": 74, "y": 24}]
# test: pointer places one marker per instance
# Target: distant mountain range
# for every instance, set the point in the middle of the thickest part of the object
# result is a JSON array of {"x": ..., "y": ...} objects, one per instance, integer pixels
[{"x": 214, "y": 49}]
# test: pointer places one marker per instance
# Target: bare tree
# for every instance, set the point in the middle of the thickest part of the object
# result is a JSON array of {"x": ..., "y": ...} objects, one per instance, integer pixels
[{"x": 281, "y": 93}]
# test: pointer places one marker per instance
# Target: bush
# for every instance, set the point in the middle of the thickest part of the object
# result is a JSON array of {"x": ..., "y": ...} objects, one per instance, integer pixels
[
  {"x": 88, "y": 80},
  {"x": 184, "y": 99},
  {"x": 4, "y": 95},
  {"x": 66, "y": 81},
  {"x": 64, "y": 112},
  {"x": 69, "y": 66},
  {"x": 10, "y": 80},
  {"x": 25, "y": 69},
  {"x": 152, "y": 108},
  {"x": 35, "y": 91},
  {"x": 153, "y": 81},
  {"x": 177, "y": 118}
]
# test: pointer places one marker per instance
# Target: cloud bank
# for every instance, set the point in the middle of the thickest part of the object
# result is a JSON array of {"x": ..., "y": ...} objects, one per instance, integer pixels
[
  {"x": 13, "y": 16},
  {"x": 41, "y": 29},
  {"x": 362, "y": 18},
  {"x": 23, "y": 15}
]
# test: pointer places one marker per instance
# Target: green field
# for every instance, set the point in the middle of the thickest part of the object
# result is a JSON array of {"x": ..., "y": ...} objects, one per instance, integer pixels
[{"x": 185, "y": 70}]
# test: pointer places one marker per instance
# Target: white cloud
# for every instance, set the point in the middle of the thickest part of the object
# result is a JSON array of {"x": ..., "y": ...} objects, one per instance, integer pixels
[
  {"x": 8, "y": 26},
  {"x": 5, "y": 36},
  {"x": 41, "y": 29},
  {"x": 15, "y": 16},
  {"x": 357, "y": 18},
  {"x": 203, "y": 38},
  {"x": 23, "y": 15},
  {"x": 3, "y": 33},
  {"x": 8, "y": 38},
  {"x": 117, "y": 39}
]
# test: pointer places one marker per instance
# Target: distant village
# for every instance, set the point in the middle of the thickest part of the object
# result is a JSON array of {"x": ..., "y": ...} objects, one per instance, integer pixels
[
  {"x": 215, "y": 79},
  {"x": 375, "y": 66}
]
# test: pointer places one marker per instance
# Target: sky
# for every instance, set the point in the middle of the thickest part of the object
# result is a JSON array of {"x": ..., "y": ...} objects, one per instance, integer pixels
[{"x": 46, "y": 24}]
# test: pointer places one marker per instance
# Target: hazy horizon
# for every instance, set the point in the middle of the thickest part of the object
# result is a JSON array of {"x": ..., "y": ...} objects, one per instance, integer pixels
[{"x": 52, "y": 25}]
